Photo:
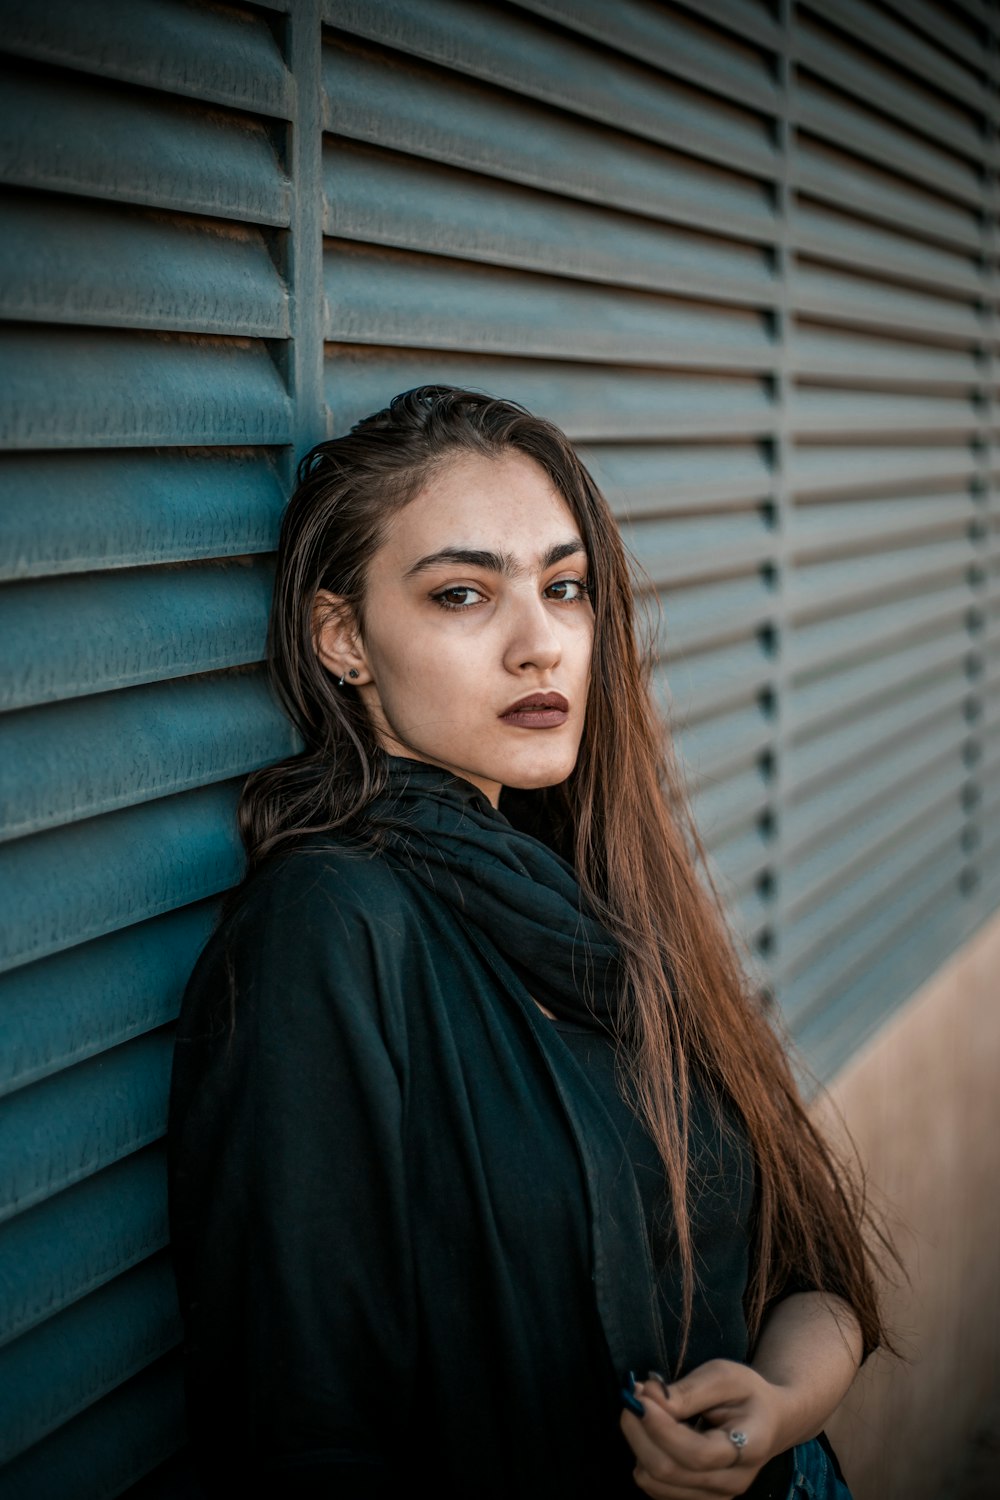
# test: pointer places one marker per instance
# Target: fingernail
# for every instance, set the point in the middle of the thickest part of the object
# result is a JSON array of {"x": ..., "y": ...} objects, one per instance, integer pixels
[
  {"x": 629, "y": 1401},
  {"x": 630, "y": 1380},
  {"x": 655, "y": 1375}
]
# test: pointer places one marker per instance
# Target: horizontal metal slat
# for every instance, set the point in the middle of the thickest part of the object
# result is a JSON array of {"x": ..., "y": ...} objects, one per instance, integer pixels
[
  {"x": 824, "y": 112},
  {"x": 841, "y": 296},
  {"x": 110, "y": 1445},
  {"x": 715, "y": 746},
  {"x": 926, "y": 935},
  {"x": 503, "y": 48},
  {"x": 893, "y": 73},
  {"x": 60, "y": 1010},
  {"x": 820, "y": 230},
  {"x": 721, "y": 808},
  {"x": 72, "y": 512},
  {"x": 851, "y": 739},
  {"x": 830, "y": 409},
  {"x": 829, "y": 524},
  {"x": 820, "y": 585},
  {"x": 677, "y": 43},
  {"x": 708, "y": 681},
  {"x": 846, "y": 909},
  {"x": 97, "y": 264},
  {"x": 819, "y": 982},
  {"x": 856, "y": 799},
  {"x": 831, "y": 639},
  {"x": 73, "y": 1124},
  {"x": 695, "y": 616},
  {"x": 392, "y": 298},
  {"x": 902, "y": 41},
  {"x": 87, "y": 388},
  {"x": 652, "y": 479},
  {"x": 737, "y": 862},
  {"x": 810, "y": 703},
  {"x": 590, "y": 403},
  {"x": 850, "y": 182},
  {"x": 68, "y": 761},
  {"x": 131, "y": 626},
  {"x": 70, "y": 135},
  {"x": 64, "y": 1248},
  {"x": 843, "y": 851},
  {"x": 435, "y": 114},
  {"x": 393, "y": 200},
  {"x": 229, "y": 56},
  {"x": 78, "y": 1356},
  {"x": 821, "y": 352},
  {"x": 705, "y": 545},
  {"x": 71, "y": 884},
  {"x": 818, "y": 468}
]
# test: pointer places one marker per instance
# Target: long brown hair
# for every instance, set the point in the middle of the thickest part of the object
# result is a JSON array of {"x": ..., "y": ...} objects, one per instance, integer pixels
[{"x": 622, "y": 817}]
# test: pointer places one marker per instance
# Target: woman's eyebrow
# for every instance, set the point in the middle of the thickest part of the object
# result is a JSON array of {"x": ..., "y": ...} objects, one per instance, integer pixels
[{"x": 494, "y": 562}]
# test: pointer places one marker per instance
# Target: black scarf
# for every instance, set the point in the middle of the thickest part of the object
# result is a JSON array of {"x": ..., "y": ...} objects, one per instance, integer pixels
[{"x": 514, "y": 893}]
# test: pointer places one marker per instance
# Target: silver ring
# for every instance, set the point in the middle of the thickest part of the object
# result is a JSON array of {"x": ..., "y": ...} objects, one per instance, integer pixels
[{"x": 738, "y": 1439}]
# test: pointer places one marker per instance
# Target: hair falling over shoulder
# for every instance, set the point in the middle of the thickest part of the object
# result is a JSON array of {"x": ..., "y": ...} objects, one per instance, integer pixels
[{"x": 622, "y": 818}]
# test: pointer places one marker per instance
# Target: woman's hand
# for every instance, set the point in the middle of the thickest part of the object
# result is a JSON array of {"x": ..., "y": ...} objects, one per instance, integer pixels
[
  {"x": 806, "y": 1357},
  {"x": 683, "y": 1446}
]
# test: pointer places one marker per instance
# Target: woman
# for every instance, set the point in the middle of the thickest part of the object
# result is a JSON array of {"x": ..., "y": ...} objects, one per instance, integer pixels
[{"x": 472, "y": 1114}]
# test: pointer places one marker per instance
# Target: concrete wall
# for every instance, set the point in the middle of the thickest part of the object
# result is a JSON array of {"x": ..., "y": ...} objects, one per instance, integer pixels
[{"x": 922, "y": 1102}]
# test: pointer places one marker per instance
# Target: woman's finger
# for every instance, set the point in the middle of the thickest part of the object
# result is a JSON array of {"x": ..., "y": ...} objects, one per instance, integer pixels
[
  {"x": 665, "y": 1446},
  {"x": 718, "y": 1382}
]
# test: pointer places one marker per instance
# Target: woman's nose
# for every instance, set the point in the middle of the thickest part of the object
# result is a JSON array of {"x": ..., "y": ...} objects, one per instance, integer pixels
[{"x": 532, "y": 639}]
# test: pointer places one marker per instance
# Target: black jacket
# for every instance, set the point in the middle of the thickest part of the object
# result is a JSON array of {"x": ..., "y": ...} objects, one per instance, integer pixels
[{"x": 405, "y": 1246}]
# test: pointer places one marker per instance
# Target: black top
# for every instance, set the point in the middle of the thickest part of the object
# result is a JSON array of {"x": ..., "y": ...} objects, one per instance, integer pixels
[
  {"x": 407, "y": 1241},
  {"x": 723, "y": 1166}
]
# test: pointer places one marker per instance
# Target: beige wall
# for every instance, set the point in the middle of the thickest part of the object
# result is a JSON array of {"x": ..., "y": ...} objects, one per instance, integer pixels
[{"x": 922, "y": 1101}]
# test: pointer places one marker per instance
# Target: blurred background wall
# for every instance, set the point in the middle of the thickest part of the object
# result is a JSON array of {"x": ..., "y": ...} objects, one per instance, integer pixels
[{"x": 745, "y": 252}]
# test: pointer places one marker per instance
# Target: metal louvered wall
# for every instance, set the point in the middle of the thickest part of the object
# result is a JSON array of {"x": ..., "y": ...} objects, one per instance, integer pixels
[{"x": 744, "y": 252}]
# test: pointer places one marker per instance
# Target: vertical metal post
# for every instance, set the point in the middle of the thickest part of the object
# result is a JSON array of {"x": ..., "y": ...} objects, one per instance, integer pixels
[
  {"x": 977, "y": 881},
  {"x": 304, "y": 368},
  {"x": 782, "y": 491}
]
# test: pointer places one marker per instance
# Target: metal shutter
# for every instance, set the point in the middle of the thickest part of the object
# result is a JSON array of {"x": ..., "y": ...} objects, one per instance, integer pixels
[{"x": 745, "y": 253}]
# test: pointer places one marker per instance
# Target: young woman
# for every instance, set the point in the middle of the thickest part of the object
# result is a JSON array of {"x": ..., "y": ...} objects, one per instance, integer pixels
[{"x": 473, "y": 1116}]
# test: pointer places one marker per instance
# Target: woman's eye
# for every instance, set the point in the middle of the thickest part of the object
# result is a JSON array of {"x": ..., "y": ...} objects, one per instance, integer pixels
[
  {"x": 569, "y": 590},
  {"x": 458, "y": 597}
]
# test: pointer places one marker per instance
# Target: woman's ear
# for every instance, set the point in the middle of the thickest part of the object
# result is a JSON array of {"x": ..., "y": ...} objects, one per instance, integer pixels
[{"x": 336, "y": 640}]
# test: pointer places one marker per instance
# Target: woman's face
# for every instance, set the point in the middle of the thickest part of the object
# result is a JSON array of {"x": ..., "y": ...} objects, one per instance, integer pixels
[{"x": 475, "y": 602}]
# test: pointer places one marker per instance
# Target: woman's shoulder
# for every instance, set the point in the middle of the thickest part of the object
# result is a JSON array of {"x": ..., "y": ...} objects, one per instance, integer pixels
[
  {"x": 316, "y": 900},
  {"x": 320, "y": 875},
  {"x": 325, "y": 923}
]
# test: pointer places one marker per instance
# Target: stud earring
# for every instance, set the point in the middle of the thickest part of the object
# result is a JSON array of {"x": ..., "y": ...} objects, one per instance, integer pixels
[{"x": 353, "y": 672}]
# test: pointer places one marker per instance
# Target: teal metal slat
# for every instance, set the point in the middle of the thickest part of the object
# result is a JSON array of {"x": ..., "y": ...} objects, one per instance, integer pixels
[
  {"x": 386, "y": 297},
  {"x": 71, "y": 884},
  {"x": 227, "y": 55},
  {"x": 80, "y": 1002},
  {"x": 67, "y": 134},
  {"x": 91, "y": 388},
  {"x": 111, "y": 1444},
  {"x": 389, "y": 102},
  {"x": 131, "y": 626},
  {"x": 506, "y": 49},
  {"x": 67, "y": 1363},
  {"x": 102, "y": 265},
  {"x": 76, "y": 511},
  {"x": 71, "y": 760},
  {"x": 65, "y": 1128},
  {"x": 64, "y": 1248}
]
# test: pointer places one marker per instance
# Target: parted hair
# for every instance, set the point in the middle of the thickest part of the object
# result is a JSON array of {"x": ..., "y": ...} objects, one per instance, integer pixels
[{"x": 622, "y": 818}]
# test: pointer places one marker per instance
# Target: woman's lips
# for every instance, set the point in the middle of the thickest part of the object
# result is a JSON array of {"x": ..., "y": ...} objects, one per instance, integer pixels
[{"x": 538, "y": 711}]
